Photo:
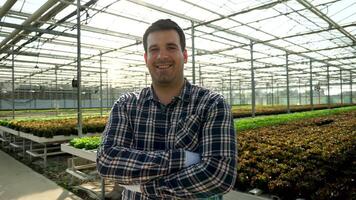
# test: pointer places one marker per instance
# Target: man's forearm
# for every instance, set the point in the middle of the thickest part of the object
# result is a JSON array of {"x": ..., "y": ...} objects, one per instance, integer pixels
[
  {"x": 129, "y": 166},
  {"x": 191, "y": 158},
  {"x": 210, "y": 177}
]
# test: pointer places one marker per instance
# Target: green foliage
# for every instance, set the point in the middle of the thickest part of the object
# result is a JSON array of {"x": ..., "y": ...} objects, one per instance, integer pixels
[
  {"x": 51, "y": 127},
  {"x": 4, "y": 123},
  {"x": 87, "y": 143},
  {"x": 239, "y": 111},
  {"x": 309, "y": 157},
  {"x": 40, "y": 114},
  {"x": 257, "y": 122}
]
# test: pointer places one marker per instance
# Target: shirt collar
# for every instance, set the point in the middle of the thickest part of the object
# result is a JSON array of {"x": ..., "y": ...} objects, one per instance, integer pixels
[{"x": 184, "y": 94}]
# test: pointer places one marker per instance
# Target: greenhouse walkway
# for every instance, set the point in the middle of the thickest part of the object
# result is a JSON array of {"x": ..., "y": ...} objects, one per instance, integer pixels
[{"x": 19, "y": 182}]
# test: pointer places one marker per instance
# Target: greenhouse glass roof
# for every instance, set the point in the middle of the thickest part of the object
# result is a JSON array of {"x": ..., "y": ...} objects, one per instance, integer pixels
[{"x": 39, "y": 38}]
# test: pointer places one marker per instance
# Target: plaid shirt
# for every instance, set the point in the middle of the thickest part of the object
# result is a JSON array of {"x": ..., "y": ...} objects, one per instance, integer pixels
[{"x": 144, "y": 143}]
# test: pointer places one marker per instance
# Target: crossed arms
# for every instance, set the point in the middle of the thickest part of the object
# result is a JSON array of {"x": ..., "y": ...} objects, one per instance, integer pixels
[{"x": 165, "y": 173}]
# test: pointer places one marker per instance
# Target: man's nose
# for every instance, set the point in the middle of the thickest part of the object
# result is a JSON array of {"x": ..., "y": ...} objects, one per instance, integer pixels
[{"x": 162, "y": 54}]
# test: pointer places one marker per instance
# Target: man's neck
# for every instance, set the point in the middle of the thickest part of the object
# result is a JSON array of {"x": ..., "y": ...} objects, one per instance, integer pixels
[{"x": 165, "y": 93}]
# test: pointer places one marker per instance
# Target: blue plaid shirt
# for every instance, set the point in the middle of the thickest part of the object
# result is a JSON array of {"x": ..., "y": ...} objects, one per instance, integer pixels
[{"x": 144, "y": 143}]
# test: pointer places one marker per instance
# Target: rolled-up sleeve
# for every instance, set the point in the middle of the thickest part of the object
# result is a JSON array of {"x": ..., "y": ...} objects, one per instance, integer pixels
[{"x": 216, "y": 173}]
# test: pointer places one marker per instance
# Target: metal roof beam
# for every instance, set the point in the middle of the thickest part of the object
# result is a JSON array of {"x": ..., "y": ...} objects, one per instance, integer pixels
[
  {"x": 307, "y": 33},
  {"x": 37, "y": 14},
  {"x": 35, "y": 29},
  {"x": 6, "y": 7},
  {"x": 331, "y": 22}
]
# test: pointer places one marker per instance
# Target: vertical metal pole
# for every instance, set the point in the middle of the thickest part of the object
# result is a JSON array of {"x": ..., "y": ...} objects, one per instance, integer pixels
[
  {"x": 341, "y": 96},
  {"x": 90, "y": 99},
  {"x": 193, "y": 53},
  {"x": 311, "y": 84},
  {"x": 55, "y": 72},
  {"x": 267, "y": 95},
  {"x": 23, "y": 147},
  {"x": 36, "y": 93},
  {"x": 319, "y": 93},
  {"x": 300, "y": 95},
  {"x": 277, "y": 102},
  {"x": 31, "y": 145},
  {"x": 101, "y": 86},
  {"x": 287, "y": 73},
  {"x": 1, "y": 101},
  {"x": 31, "y": 93},
  {"x": 83, "y": 94},
  {"x": 107, "y": 89},
  {"x": 222, "y": 86},
  {"x": 253, "y": 96},
  {"x": 240, "y": 95},
  {"x": 110, "y": 94},
  {"x": 13, "y": 82},
  {"x": 79, "y": 74},
  {"x": 45, "y": 156},
  {"x": 102, "y": 188},
  {"x": 200, "y": 78},
  {"x": 328, "y": 79},
  {"x": 272, "y": 91},
  {"x": 4, "y": 98},
  {"x": 49, "y": 96},
  {"x": 230, "y": 89},
  {"x": 64, "y": 98},
  {"x": 351, "y": 87}
]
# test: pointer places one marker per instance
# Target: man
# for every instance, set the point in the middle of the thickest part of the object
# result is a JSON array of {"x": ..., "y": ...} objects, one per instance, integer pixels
[{"x": 172, "y": 140}]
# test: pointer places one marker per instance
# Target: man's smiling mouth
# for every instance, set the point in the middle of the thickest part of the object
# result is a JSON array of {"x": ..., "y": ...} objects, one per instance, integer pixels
[{"x": 163, "y": 66}]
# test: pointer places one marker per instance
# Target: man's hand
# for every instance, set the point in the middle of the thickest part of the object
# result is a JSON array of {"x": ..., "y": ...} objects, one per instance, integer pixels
[
  {"x": 133, "y": 188},
  {"x": 191, "y": 158}
]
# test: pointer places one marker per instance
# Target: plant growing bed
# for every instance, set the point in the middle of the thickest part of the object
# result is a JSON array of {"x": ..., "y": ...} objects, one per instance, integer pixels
[
  {"x": 84, "y": 147},
  {"x": 87, "y": 143},
  {"x": 263, "y": 121},
  {"x": 48, "y": 133},
  {"x": 246, "y": 110},
  {"x": 53, "y": 127},
  {"x": 310, "y": 158}
]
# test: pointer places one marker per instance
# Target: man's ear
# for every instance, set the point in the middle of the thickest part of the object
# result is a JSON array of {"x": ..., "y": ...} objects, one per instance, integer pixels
[
  {"x": 185, "y": 55},
  {"x": 145, "y": 57}
]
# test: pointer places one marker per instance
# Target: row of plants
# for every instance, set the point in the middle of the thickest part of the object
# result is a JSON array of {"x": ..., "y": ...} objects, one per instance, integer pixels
[
  {"x": 312, "y": 159},
  {"x": 67, "y": 126},
  {"x": 50, "y": 113},
  {"x": 238, "y": 111},
  {"x": 263, "y": 121},
  {"x": 245, "y": 111},
  {"x": 53, "y": 127}
]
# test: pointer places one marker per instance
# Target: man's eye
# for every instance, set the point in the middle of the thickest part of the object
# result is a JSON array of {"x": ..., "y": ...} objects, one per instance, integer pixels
[
  {"x": 172, "y": 47},
  {"x": 153, "y": 50}
]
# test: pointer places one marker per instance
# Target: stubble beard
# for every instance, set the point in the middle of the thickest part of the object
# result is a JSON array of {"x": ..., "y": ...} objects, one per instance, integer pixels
[{"x": 167, "y": 79}]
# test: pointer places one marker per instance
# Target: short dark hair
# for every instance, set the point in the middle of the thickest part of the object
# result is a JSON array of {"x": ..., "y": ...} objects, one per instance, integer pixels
[{"x": 164, "y": 24}]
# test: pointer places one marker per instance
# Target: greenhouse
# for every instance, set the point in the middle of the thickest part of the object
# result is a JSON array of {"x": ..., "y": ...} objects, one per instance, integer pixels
[{"x": 286, "y": 68}]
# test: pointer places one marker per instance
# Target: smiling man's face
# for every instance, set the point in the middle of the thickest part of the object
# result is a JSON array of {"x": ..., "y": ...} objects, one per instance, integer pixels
[{"x": 165, "y": 58}]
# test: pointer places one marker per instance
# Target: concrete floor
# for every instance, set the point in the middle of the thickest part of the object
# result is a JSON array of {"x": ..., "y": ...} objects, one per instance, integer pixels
[
  {"x": 234, "y": 195},
  {"x": 19, "y": 182}
]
